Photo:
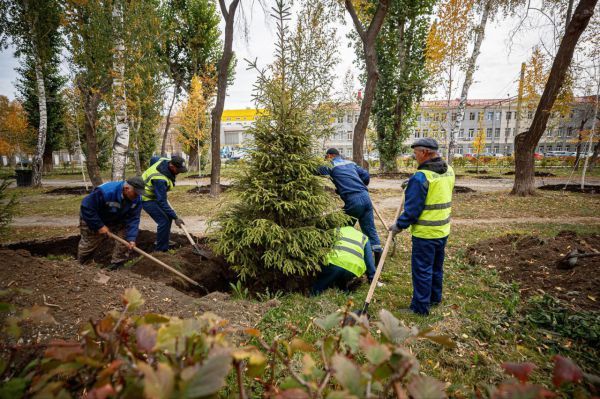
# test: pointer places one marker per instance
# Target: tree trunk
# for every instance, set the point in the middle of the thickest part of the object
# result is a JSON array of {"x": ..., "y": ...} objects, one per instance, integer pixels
[
  {"x": 193, "y": 161},
  {"x": 121, "y": 142},
  {"x": 526, "y": 142},
  {"x": 48, "y": 164},
  {"x": 217, "y": 111},
  {"x": 136, "y": 157},
  {"x": 460, "y": 113},
  {"x": 579, "y": 144},
  {"x": 38, "y": 159},
  {"x": 368, "y": 39},
  {"x": 91, "y": 101},
  {"x": 163, "y": 147},
  {"x": 594, "y": 157}
]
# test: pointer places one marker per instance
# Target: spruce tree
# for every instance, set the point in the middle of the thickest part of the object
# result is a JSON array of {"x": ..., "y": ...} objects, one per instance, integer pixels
[{"x": 282, "y": 219}]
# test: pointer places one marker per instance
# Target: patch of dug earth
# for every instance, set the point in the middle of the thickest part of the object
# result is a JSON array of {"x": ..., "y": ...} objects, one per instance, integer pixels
[
  {"x": 488, "y": 177},
  {"x": 574, "y": 188},
  {"x": 392, "y": 175},
  {"x": 69, "y": 191},
  {"x": 463, "y": 189},
  {"x": 61, "y": 246},
  {"x": 532, "y": 262},
  {"x": 475, "y": 172},
  {"x": 206, "y": 189},
  {"x": 537, "y": 174}
]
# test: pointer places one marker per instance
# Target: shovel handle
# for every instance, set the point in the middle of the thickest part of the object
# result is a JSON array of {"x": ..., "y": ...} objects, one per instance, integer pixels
[
  {"x": 187, "y": 234},
  {"x": 385, "y": 224},
  {"x": 382, "y": 260},
  {"x": 155, "y": 260}
]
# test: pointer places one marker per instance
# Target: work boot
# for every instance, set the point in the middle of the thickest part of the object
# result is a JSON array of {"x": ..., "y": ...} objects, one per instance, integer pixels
[{"x": 115, "y": 266}]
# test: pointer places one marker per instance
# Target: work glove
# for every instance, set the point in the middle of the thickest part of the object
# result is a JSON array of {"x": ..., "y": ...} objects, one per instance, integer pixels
[
  {"x": 404, "y": 184},
  {"x": 394, "y": 229},
  {"x": 179, "y": 222}
]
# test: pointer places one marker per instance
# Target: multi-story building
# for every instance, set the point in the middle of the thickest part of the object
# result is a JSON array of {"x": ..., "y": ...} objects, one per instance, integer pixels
[{"x": 498, "y": 120}]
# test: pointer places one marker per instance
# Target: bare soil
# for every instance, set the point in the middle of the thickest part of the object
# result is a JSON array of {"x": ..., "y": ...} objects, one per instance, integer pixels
[
  {"x": 574, "y": 188},
  {"x": 463, "y": 189},
  {"x": 69, "y": 191},
  {"x": 532, "y": 261},
  {"x": 537, "y": 174},
  {"x": 205, "y": 189}
]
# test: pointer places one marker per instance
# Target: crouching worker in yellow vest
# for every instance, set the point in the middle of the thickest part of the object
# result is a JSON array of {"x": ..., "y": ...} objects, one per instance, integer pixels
[{"x": 351, "y": 257}]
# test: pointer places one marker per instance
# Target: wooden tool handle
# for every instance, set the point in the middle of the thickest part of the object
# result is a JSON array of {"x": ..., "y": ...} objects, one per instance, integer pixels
[
  {"x": 187, "y": 234},
  {"x": 383, "y": 256},
  {"x": 385, "y": 224},
  {"x": 152, "y": 258}
]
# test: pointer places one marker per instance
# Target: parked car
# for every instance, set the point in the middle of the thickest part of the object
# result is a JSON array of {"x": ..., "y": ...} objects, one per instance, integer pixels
[{"x": 538, "y": 155}]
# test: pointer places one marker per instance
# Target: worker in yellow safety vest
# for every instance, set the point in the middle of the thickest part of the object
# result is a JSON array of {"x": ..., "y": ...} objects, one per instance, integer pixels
[
  {"x": 351, "y": 257},
  {"x": 427, "y": 206},
  {"x": 160, "y": 179}
]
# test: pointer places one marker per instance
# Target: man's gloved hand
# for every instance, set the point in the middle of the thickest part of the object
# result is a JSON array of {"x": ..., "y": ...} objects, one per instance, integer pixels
[
  {"x": 394, "y": 229},
  {"x": 404, "y": 184},
  {"x": 103, "y": 230},
  {"x": 179, "y": 222}
]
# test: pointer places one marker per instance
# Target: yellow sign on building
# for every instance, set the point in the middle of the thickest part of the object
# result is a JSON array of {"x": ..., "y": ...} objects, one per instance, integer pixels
[{"x": 240, "y": 115}]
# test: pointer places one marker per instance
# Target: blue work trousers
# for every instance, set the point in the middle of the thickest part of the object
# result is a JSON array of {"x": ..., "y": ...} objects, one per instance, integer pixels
[
  {"x": 360, "y": 207},
  {"x": 331, "y": 276},
  {"x": 427, "y": 272},
  {"x": 163, "y": 222}
]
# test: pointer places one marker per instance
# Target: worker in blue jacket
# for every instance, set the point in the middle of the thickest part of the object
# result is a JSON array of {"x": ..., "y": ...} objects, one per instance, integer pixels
[
  {"x": 112, "y": 207},
  {"x": 351, "y": 183},
  {"x": 427, "y": 208},
  {"x": 160, "y": 179}
]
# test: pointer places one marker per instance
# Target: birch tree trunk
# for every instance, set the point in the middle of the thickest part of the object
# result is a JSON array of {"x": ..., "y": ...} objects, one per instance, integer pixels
[
  {"x": 121, "y": 142},
  {"x": 217, "y": 111},
  {"x": 526, "y": 142},
  {"x": 460, "y": 113},
  {"x": 38, "y": 159},
  {"x": 163, "y": 147}
]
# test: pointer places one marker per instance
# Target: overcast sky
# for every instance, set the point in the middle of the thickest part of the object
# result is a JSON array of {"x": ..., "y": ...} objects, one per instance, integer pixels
[{"x": 496, "y": 76}]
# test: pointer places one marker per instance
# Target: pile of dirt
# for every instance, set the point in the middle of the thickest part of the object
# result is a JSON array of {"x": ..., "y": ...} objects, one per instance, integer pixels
[
  {"x": 67, "y": 246},
  {"x": 197, "y": 176},
  {"x": 574, "y": 188},
  {"x": 531, "y": 261},
  {"x": 206, "y": 189},
  {"x": 77, "y": 293},
  {"x": 463, "y": 189},
  {"x": 480, "y": 172},
  {"x": 537, "y": 174},
  {"x": 392, "y": 175},
  {"x": 76, "y": 190},
  {"x": 488, "y": 177}
]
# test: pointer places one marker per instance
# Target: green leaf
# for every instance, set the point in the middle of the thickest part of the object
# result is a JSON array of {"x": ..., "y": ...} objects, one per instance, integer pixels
[
  {"x": 425, "y": 387},
  {"x": 350, "y": 337},
  {"x": 13, "y": 388},
  {"x": 154, "y": 318},
  {"x": 390, "y": 327},
  {"x": 257, "y": 362},
  {"x": 440, "y": 339},
  {"x": 330, "y": 321},
  {"x": 158, "y": 384},
  {"x": 133, "y": 298},
  {"x": 348, "y": 374},
  {"x": 299, "y": 345},
  {"x": 377, "y": 354},
  {"x": 209, "y": 378}
]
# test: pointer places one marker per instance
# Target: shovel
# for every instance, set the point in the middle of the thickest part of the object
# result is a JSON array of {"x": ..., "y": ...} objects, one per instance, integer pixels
[
  {"x": 153, "y": 259},
  {"x": 196, "y": 249},
  {"x": 350, "y": 320}
]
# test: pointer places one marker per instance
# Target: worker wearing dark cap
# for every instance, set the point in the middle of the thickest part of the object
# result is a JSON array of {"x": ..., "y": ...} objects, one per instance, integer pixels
[
  {"x": 351, "y": 183},
  {"x": 112, "y": 207},
  {"x": 160, "y": 179},
  {"x": 427, "y": 206}
]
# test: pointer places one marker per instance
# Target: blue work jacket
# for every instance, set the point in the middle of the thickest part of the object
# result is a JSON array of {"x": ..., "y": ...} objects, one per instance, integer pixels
[{"x": 348, "y": 177}]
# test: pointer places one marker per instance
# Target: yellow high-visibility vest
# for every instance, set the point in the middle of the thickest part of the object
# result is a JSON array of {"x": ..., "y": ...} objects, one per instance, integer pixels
[
  {"x": 152, "y": 173},
  {"x": 434, "y": 221},
  {"x": 348, "y": 252}
]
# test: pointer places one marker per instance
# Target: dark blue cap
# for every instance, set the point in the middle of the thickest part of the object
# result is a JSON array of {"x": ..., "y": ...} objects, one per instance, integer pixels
[{"x": 426, "y": 142}]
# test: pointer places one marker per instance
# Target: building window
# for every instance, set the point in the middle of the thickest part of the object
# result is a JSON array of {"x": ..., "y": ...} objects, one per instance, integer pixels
[
  {"x": 569, "y": 132},
  {"x": 454, "y": 115},
  {"x": 549, "y": 133},
  {"x": 497, "y": 132},
  {"x": 507, "y": 132},
  {"x": 349, "y": 118},
  {"x": 488, "y": 133},
  {"x": 508, "y": 115},
  {"x": 425, "y": 132},
  {"x": 529, "y": 114},
  {"x": 489, "y": 116},
  {"x": 471, "y": 133},
  {"x": 461, "y": 133},
  {"x": 471, "y": 116},
  {"x": 498, "y": 115},
  {"x": 459, "y": 150},
  {"x": 561, "y": 133},
  {"x": 341, "y": 119},
  {"x": 559, "y": 147},
  {"x": 355, "y": 118},
  {"x": 496, "y": 149},
  {"x": 349, "y": 135},
  {"x": 417, "y": 134}
]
